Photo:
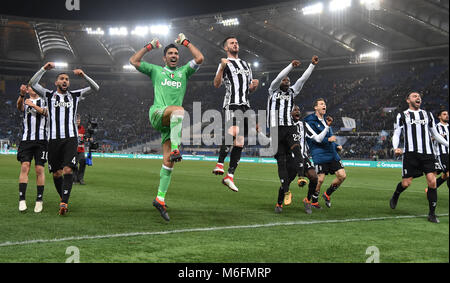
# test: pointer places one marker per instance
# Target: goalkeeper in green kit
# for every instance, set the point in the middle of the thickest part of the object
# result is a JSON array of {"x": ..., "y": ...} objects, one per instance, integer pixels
[{"x": 166, "y": 114}]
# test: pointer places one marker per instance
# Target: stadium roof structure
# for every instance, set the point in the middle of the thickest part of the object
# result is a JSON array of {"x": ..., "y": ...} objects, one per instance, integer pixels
[{"x": 270, "y": 35}]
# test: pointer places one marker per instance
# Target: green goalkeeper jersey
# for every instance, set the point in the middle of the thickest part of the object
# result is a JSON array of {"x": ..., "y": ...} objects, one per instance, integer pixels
[{"x": 169, "y": 84}]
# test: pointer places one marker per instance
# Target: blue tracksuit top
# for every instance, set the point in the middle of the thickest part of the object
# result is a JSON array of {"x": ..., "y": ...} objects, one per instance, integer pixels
[{"x": 324, "y": 151}]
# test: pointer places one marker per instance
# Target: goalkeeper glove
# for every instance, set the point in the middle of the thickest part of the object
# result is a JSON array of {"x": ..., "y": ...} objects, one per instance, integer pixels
[
  {"x": 153, "y": 44},
  {"x": 182, "y": 40}
]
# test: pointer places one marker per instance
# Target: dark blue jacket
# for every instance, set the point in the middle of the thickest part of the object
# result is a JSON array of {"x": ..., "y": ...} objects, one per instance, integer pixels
[{"x": 324, "y": 151}]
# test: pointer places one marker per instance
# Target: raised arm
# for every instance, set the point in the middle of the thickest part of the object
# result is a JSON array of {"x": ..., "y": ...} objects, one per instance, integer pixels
[
  {"x": 93, "y": 86},
  {"x": 34, "y": 81},
  {"x": 198, "y": 56},
  {"x": 23, "y": 91},
  {"x": 277, "y": 81},
  {"x": 136, "y": 59},
  {"x": 297, "y": 87},
  {"x": 219, "y": 74}
]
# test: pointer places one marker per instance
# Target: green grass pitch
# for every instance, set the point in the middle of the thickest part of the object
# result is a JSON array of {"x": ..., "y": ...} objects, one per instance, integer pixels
[{"x": 210, "y": 223}]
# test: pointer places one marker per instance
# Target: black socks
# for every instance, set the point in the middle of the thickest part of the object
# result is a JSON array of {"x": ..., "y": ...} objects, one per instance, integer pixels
[
  {"x": 66, "y": 187},
  {"x": 235, "y": 156},
  {"x": 22, "y": 190}
]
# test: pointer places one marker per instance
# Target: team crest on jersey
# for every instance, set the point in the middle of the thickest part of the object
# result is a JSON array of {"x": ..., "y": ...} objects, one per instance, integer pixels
[{"x": 172, "y": 75}]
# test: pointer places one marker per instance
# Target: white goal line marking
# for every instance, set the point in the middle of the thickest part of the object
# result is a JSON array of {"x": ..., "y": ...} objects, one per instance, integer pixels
[{"x": 78, "y": 238}]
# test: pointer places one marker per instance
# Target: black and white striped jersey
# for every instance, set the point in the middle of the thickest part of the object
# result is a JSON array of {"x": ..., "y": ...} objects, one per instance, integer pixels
[
  {"x": 416, "y": 127},
  {"x": 62, "y": 111},
  {"x": 280, "y": 103},
  {"x": 279, "y": 108},
  {"x": 35, "y": 125},
  {"x": 304, "y": 132},
  {"x": 237, "y": 77},
  {"x": 443, "y": 131}
]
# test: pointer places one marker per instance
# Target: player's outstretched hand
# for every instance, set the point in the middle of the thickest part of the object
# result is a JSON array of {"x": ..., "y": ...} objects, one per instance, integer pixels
[
  {"x": 154, "y": 44},
  {"x": 23, "y": 90},
  {"x": 255, "y": 83},
  {"x": 339, "y": 148},
  {"x": 78, "y": 72},
  {"x": 315, "y": 60},
  {"x": 398, "y": 151},
  {"x": 296, "y": 63},
  {"x": 329, "y": 120},
  {"x": 182, "y": 40},
  {"x": 49, "y": 66}
]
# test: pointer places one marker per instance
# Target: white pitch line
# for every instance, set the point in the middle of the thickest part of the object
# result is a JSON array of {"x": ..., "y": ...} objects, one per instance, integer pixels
[{"x": 208, "y": 229}]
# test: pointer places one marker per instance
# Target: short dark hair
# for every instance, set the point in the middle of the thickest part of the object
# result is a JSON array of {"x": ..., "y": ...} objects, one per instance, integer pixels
[
  {"x": 226, "y": 39},
  {"x": 317, "y": 100},
  {"x": 168, "y": 47},
  {"x": 441, "y": 111},
  {"x": 63, "y": 73},
  {"x": 411, "y": 92}
]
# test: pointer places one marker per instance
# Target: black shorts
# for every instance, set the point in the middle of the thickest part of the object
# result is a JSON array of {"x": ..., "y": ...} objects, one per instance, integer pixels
[
  {"x": 235, "y": 115},
  {"x": 416, "y": 164},
  {"x": 62, "y": 153},
  {"x": 329, "y": 167},
  {"x": 287, "y": 137},
  {"x": 443, "y": 163},
  {"x": 29, "y": 150},
  {"x": 292, "y": 171}
]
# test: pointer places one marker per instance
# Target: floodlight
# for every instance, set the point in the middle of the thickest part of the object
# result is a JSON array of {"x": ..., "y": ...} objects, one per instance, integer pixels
[
  {"x": 313, "y": 9},
  {"x": 339, "y": 5},
  {"x": 370, "y": 55},
  {"x": 230, "y": 22},
  {"x": 122, "y": 31},
  {"x": 98, "y": 31},
  {"x": 160, "y": 29},
  {"x": 61, "y": 65},
  {"x": 140, "y": 31},
  {"x": 129, "y": 67}
]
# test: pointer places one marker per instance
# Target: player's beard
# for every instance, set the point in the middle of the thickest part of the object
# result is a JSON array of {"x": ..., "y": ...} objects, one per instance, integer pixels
[
  {"x": 284, "y": 88},
  {"x": 234, "y": 52},
  {"x": 416, "y": 104},
  {"x": 60, "y": 88}
]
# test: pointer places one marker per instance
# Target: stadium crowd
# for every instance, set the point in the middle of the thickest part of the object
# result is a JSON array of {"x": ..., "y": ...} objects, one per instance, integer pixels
[{"x": 372, "y": 95}]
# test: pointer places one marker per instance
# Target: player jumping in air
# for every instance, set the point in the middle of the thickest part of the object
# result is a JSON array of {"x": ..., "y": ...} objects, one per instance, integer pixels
[
  {"x": 279, "y": 107},
  {"x": 166, "y": 114},
  {"x": 236, "y": 75}
]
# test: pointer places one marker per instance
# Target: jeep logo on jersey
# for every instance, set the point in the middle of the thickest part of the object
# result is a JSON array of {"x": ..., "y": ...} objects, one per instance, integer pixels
[
  {"x": 63, "y": 104},
  {"x": 171, "y": 83},
  {"x": 242, "y": 72},
  {"x": 282, "y": 96},
  {"x": 418, "y": 122}
]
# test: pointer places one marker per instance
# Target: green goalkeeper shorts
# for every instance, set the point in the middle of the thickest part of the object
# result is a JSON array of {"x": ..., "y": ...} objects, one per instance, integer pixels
[{"x": 156, "y": 114}]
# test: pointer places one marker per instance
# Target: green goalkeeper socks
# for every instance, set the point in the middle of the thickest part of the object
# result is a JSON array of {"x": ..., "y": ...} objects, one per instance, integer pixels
[
  {"x": 176, "y": 125},
  {"x": 165, "y": 175}
]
